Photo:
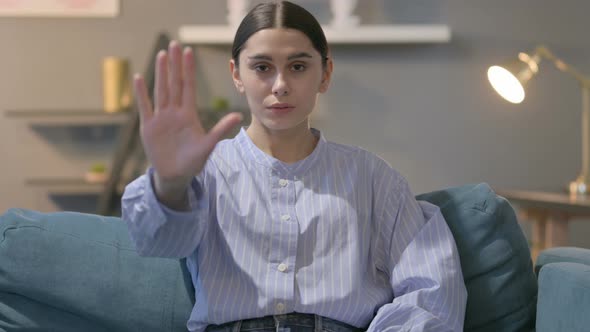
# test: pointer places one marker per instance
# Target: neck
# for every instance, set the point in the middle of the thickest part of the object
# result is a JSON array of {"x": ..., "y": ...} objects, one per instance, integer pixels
[{"x": 288, "y": 145}]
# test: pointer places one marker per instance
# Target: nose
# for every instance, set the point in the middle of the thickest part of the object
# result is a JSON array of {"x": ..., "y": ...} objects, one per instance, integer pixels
[{"x": 280, "y": 86}]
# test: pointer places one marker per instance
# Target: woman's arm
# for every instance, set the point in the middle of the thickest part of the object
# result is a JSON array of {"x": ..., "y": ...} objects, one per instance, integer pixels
[
  {"x": 158, "y": 230},
  {"x": 423, "y": 267}
]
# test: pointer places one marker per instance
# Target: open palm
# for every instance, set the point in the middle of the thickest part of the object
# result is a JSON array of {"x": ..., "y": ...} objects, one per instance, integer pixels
[{"x": 173, "y": 137}]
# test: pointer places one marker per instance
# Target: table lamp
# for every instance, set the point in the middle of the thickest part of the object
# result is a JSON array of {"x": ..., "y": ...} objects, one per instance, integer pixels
[{"x": 510, "y": 80}]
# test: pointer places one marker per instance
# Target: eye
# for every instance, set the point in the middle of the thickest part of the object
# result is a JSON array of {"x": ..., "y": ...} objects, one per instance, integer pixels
[
  {"x": 261, "y": 68},
  {"x": 298, "y": 67}
]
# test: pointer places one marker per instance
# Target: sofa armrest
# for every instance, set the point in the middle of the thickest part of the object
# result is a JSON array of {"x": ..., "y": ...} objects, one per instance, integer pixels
[
  {"x": 68, "y": 271},
  {"x": 564, "y": 297},
  {"x": 562, "y": 255}
]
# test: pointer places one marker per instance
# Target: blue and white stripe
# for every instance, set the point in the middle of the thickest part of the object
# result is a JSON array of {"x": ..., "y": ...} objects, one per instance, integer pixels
[{"x": 337, "y": 234}]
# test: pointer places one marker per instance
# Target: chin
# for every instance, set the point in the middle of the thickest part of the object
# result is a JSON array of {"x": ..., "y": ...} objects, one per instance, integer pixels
[
  {"x": 284, "y": 124},
  {"x": 276, "y": 125}
]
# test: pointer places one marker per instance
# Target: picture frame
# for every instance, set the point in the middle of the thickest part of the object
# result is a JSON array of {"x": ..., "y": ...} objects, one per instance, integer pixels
[{"x": 59, "y": 8}]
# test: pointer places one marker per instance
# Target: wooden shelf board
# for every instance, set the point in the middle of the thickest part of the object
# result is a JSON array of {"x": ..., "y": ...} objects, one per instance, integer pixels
[
  {"x": 66, "y": 185},
  {"x": 69, "y": 117},
  {"x": 363, "y": 34}
]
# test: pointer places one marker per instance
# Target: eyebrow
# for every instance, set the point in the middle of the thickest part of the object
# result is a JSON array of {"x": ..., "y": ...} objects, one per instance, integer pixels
[{"x": 290, "y": 57}]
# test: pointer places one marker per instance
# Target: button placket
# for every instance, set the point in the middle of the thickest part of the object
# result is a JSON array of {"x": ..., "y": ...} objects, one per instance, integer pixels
[
  {"x": 283, "y": 256},
  {"x": 284, "y": 183}
]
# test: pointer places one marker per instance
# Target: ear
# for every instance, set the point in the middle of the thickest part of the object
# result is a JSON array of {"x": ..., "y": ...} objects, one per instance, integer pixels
[
  {"x": 327, "y": 75},
  {"x": 235, "y": 74}
]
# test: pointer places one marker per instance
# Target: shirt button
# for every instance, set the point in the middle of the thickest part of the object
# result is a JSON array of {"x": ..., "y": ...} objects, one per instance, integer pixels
[
  {"x": 280, "y": 307},
  {"x": 285, "y": 217},
  {"x": 283, "y": 182},
  {"x": 282, "y": 267}
]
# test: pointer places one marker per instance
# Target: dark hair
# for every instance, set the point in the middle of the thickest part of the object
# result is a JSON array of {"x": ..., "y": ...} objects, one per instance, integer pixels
[{"x": 280, "y": 14}]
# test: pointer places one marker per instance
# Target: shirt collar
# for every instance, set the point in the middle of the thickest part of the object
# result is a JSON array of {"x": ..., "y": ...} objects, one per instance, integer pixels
[{"x": 250, "y": 151}]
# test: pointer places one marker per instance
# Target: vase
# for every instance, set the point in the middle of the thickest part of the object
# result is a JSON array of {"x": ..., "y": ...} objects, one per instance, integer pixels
[
  {"x": 236, "y": 10},
  {"x": 342, "y": 13}
]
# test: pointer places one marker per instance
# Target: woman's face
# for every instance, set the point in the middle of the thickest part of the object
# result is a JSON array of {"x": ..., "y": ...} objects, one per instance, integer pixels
[{"x": 281, "y": 74}]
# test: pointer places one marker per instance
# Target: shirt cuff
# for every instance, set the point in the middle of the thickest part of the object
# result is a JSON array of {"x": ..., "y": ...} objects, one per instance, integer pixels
[{"x": 196, "y": 200}]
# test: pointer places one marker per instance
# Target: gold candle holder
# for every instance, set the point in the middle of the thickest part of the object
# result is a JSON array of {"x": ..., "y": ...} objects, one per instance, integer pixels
[{"x": 116, "y": 84}]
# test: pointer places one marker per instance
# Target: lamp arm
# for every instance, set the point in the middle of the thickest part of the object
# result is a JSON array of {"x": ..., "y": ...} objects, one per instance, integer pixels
[
  {"x": 544, "y": 52},
  {"x": 582, "y": 184}
]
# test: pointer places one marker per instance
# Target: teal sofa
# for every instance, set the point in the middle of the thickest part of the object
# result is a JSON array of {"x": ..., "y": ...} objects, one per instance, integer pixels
[{"x": 70, "y": 271}]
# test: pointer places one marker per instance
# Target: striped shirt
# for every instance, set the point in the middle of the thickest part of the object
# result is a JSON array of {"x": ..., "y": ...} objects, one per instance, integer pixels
[{"x": 338, "y": 234}]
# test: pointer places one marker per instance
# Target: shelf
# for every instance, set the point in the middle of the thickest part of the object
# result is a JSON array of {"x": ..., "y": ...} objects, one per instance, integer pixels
[
  {"x": 66, "y": 185},
  {"x": 363, "y": 34},
  {"x": 69, "y": 117},
  {"x": 96, "y": 117}
]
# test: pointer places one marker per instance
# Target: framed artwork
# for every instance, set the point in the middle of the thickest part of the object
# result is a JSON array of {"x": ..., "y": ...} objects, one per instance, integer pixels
[{"x": 59, "y": 8}]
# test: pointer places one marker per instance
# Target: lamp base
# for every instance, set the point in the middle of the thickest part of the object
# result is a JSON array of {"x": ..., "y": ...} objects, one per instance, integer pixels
[{"x": 579, "y": 187}]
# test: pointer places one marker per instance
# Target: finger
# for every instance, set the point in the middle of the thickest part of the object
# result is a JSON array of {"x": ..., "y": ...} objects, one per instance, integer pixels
[
  {"x": 175, "y": 72},
  {"x": 223, "y": 127},
  {"x": 161, "y": 84},
  {"x": 188, "y": 74},
  {"x": 142, "y": 98}
]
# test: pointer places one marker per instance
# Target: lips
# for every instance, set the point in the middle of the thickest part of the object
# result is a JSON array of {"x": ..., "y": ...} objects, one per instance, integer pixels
[{"x": 281, "y": 108}]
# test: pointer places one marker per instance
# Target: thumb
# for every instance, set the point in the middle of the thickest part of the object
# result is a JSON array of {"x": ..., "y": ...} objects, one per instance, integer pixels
[{"x": 223, "y": 127}]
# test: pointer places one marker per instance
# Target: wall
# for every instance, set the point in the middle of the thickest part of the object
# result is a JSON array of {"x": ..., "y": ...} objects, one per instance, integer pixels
[{"x": 426, "y": 109}]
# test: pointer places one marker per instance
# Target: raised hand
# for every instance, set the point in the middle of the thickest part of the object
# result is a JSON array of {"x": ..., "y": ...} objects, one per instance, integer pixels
[{"x": 173, "y": 137}]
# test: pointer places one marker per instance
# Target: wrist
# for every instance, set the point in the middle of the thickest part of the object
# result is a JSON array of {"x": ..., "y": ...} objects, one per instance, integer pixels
[{"x": 170, "y": 193}]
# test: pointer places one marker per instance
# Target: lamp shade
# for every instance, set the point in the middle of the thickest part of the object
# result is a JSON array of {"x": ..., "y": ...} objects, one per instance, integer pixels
[{"x": 511, "y": 78}]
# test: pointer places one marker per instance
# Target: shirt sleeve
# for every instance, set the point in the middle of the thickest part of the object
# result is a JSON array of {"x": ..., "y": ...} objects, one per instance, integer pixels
[
  {"x": 157, "y": 230},
  {"x": 423, "y": 268}
]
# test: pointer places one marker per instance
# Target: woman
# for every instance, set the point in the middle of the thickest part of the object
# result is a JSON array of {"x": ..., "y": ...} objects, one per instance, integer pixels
[{"x": 281, "y": 228}]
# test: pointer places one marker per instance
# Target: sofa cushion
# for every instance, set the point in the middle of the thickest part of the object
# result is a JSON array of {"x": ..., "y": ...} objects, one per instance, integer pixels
[
  {"x": 495, "y": 258},
  {"x": 564, "y": 297},
  {"x": 69, "y": 271},
  {"x": 562, "y": 254}
]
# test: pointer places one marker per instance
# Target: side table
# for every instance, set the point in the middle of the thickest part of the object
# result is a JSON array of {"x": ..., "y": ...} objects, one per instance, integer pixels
[{"x": 550, "y": 213}]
